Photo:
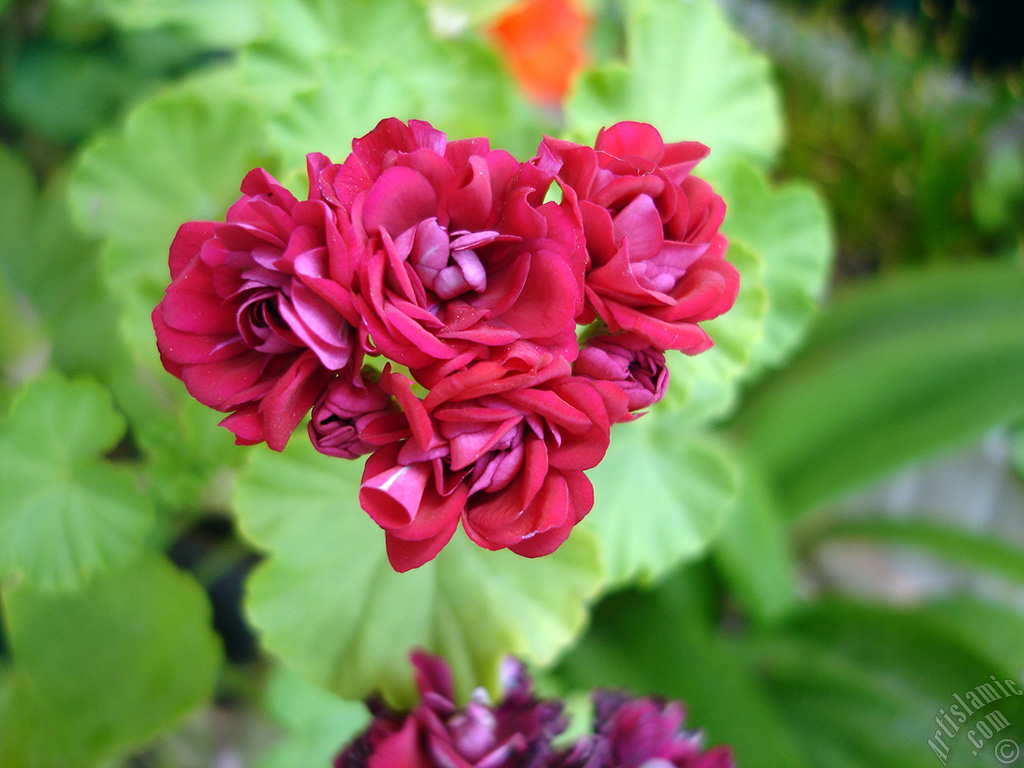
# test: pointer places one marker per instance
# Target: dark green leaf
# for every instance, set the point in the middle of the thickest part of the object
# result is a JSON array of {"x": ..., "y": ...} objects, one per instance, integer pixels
[
  {"x": 66, "y": 93},
  {"x": 990, "y": 629},
  {"x": 896, "y": 370},
  {"x": 870, "y": 682},
  {"x": 754, "y": 553}
]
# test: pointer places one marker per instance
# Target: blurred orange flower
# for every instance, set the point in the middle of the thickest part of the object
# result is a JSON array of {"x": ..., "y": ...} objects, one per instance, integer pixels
[{"x": 543, "y": 44}]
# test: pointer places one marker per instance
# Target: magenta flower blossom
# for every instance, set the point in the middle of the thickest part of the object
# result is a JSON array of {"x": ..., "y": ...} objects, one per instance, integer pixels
[
  {"x": 629, "y": 361},
  {"x": 347, "y": 412},
  {"x": 501, "y": 446},
  {"x": 515, "y": 734},
  {"x": 519, "y": 731},
  {"x": 246, "y": 323},
  {"x": 652, "y": 234},
  {"x": 630, "y": 733},
  {"x": 455, "y": 246},
  {"x": 444, "y": 258}
]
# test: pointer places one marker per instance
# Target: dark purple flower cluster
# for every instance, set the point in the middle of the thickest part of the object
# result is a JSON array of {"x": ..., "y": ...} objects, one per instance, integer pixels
[{"x": 520, "y": 731}]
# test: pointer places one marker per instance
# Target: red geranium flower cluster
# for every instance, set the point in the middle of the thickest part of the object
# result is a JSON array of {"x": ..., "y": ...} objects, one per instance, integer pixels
[
  {"x": 519, "y": 732},
  {"x": 448, "y": 259}
]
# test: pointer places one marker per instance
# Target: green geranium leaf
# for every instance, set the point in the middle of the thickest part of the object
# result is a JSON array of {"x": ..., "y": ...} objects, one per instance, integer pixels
[
  {"x": 896, "y": 370},
  {"x": 69, "y": 292},
  {"x": 64, "y": 513},
  {"x": 328, "y": 603},
  {"x": 660, "y": 497},
  {"x": 317, "y": 724},
  {"x": 705, "y": 387},
  {"x": 106, "y": 668},
  {"x": 189, "y": 458},
  {"x": 443, "y": 81},
  {"x": 788, "y": 227},
  {"x": 19, "y": 710},
  {"x": 689, "y": 74},
  {"x": 781, "y": 244},
  {"x": 349, "y": 97},
  {"x": 180, "y": 156}
]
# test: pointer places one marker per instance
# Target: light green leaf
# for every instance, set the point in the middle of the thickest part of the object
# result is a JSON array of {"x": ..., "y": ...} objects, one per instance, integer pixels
[
  {"x": 788, "y": 227},
  {"x": 328, "y": 603},
  {"x": 705, "y": 387},
  {"x": 180, "y": 156},
  {"x": 19, "y": 710},
  {"x": 896, "y": 370},
  {"x": 661, "y": 496},
  {"x": 349, "y": 97},
  {"x": 57, "y": 273},
  {"x": 445, "y": 81},
  {"x": 23, "y": 345},
  {"x": 692, "y": 76},
  {"x": 780, "y": 242},
  {"x": 317, "y": 724},
  {"x": 106, "y": 668},
  {"x": 64, "y": 513},
  {"x": 189, "y": 458}
]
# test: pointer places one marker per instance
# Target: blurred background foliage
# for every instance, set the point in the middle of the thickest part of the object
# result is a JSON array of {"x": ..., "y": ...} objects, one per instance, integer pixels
[{"x": 816, "y": 540}]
